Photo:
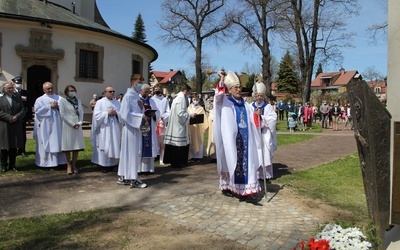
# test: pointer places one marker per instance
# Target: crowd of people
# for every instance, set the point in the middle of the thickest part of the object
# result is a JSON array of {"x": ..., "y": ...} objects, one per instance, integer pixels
[
  {"x": 301, "y": 117},
  {"x": 131, "y": 131}
]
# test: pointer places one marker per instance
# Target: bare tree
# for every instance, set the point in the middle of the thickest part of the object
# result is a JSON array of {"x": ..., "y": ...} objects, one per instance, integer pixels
[
  {"x": 371, "y": 74},
  {"x": 319, "y": 29},
  {"x": 190, "y": 23},
  {"x": 378, "y": 30},
  {"x": 257, "y": 19}
]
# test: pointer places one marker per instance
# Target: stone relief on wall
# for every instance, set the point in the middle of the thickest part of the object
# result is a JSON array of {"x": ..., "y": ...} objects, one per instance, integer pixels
[{"x": 40, "y": 45}]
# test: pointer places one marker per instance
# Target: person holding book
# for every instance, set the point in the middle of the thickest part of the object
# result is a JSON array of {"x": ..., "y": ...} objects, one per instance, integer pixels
[
  {"x": 197, "y": 130},
  {"x": 149, "y": 137}
]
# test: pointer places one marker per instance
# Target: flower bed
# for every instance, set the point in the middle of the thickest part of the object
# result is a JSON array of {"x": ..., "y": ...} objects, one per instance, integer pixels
[{"x": 335, "y": 237}]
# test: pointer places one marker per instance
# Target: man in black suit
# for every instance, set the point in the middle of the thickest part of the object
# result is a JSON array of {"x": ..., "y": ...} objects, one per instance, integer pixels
[
  {"x": 12, "y": 113},
  {"x": 23, "y": 94}
]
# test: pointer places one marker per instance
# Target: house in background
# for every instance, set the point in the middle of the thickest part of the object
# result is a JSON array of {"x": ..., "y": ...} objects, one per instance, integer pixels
[
  {"x": 335, "y": 81},
  {"x": 169, "y": 81},
  {"x": 67, "y": 42},
  {"x": 379, "y": 88}
]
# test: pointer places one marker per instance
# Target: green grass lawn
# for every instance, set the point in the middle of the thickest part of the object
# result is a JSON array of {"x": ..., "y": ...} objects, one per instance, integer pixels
[{"x": 338, "y": 183}]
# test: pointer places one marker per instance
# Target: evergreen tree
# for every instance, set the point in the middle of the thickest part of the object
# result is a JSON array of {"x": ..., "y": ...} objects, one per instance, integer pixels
[
  {"x": 139, "y": 33},
  {"x": 288, "y": 79},
  {"x": 319, "y": 70}
]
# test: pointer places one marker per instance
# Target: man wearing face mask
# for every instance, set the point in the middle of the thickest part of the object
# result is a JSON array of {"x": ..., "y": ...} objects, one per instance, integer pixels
[
  {"x": 163, "y": 107},
  {"x": 177, "y": 137},
  {"x": 23, "y": 94},
  {"x": 132, "y": 114},
  {"x": 196, "y": 149}
]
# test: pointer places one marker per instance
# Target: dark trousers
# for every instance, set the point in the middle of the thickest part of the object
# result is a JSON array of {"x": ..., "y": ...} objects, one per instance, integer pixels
[
  {"x": 22, "y": 150},
  {"x": 280, "y": 113},
  {"x": 324, "y": 120},
  {"x": 177, "y": 156},
  {"x": 8, "y": 157}
]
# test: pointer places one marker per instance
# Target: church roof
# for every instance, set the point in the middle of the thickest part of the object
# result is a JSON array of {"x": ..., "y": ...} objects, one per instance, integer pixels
[{"x": 47, "y": 13}]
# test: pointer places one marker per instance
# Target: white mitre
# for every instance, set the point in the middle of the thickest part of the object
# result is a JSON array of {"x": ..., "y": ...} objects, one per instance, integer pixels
[
  {"x": 231, "y": 79},
  {"x": 259, "y": 87}
]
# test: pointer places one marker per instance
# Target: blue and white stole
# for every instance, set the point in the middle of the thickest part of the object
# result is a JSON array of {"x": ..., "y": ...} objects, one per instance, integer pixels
[
  {"x": 259, "y": 106},
  {"x": 242, "y": 142},
  {"x": 146, "y": 138}
]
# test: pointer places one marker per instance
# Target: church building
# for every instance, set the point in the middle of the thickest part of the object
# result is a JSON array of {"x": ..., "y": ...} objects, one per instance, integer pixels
[{"x": 67, "y": 42}]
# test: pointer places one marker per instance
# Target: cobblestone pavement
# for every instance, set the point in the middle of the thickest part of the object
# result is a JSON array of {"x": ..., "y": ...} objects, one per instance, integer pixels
[{"x": 187, "y": 196}]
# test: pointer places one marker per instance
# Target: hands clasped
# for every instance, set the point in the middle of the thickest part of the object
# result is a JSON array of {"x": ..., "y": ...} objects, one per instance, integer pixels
[{"x": 54, "y": 104}]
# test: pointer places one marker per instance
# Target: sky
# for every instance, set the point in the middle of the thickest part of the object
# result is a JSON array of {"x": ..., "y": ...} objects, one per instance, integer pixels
[{"x": 121, "y": 17}]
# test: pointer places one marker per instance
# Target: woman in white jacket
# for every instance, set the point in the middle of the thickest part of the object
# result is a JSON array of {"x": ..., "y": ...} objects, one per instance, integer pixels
[{"x": 72, "y": 136}]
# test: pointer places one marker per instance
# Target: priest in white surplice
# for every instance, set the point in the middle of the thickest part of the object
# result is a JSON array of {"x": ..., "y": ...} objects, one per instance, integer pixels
[
  {"x": 237, "y": 140},
  {"x": 177, "y": 138},
  {"x": 164, "y": 109},
  {"x": 268, "y": 129},
  {"x": 48, "y": 129},
  {"x": 105, "y": 135},
  {"x": 132, "y": 114},
  {"x": 149, "y": 139}
]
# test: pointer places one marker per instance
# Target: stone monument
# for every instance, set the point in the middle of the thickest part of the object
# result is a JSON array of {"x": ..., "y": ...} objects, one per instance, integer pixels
[{"x": 372, "y": 132}]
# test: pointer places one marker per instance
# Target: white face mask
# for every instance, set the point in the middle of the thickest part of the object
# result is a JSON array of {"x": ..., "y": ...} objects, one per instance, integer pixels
[
  {"x": 195, "y": 102},
  {"x": 18, "y": 86},
  {"x": 72, "y": 94}
]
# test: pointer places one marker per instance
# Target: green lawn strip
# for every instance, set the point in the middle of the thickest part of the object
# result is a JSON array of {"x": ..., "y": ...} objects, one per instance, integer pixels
[
  {"x": 338, "y": 183},
  {"x": 286, "y": 139},
  {"x": 58, "y": 231}
]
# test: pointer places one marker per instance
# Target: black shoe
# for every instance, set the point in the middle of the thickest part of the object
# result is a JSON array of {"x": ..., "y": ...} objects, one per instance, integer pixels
[
  {"x": 252, "y": 199},
  {"x": 227, "y": 193},
  {"x": 104, "y": 170}
]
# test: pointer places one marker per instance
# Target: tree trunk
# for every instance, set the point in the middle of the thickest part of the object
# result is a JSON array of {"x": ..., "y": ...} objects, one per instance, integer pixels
[
  {"x": 266, "y": 72},
  {"x": 199, "y": 68}
]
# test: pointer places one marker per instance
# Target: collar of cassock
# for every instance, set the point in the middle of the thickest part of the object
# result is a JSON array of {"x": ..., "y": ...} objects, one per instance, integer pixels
[
  {"x": 239, "y": 102},
  {"x": 259, "y": 105}
]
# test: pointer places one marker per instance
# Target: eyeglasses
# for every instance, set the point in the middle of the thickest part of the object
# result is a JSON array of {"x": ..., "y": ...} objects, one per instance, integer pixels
[{"x": 111, "y": 91}]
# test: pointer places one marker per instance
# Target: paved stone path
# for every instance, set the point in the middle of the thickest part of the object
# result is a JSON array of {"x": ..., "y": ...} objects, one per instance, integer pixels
[{"x": 188, "y": 196}]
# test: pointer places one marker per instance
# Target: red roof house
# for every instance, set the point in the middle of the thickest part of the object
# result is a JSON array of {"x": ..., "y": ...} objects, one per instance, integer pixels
[
  {"x": 335, "y": 80},
  {"x": 167, "y": 80}
]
